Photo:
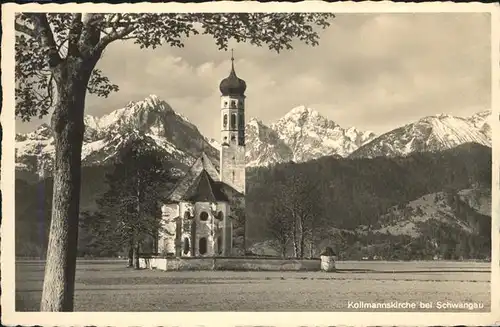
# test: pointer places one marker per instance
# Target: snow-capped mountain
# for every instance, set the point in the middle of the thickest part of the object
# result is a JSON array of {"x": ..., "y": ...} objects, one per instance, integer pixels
[
  {"x": 264, "y": 147},
  {"x": 432, "y": 133},
  {"x": 302, "y": 134},
  {"x": 35, "y": 151},
  {"x": 482, "y": 121},
  {"x": 152, "y": 119}
]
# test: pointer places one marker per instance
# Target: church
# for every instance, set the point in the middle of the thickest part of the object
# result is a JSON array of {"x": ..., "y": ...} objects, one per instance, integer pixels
[{"x": 199, "y": 214}]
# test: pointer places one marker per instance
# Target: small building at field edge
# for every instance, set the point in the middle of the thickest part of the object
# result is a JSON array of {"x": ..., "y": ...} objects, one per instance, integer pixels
[{"x": 198, "y": 214}]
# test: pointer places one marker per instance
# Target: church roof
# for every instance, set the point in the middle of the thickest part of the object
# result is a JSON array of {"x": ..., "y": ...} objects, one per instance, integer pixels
[
  {"x": 203, "y": 163},
  {"x": 204, "y": 189},
  {"x": 228, "y": 190}
]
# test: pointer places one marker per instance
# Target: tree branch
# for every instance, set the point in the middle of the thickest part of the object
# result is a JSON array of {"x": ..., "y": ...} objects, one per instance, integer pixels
[
  {"x": 74, "y": 34},
  {"x": 90, "y": 34},
  {"x": 115, "y": 35},
  {"x": 25, "y": 29},
  {"x": 46, "y": 37}
]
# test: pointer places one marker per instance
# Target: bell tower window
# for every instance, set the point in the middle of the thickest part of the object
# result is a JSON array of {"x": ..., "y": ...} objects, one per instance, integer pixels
[
  {"x": 233, "y": 121},
  {"x": 225, "y": 121},
  {"x": 233, "y": 104}
]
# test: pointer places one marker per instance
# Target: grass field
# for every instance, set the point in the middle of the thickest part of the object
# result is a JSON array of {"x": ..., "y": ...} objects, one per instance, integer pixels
[{"x": 109, "y": 286}]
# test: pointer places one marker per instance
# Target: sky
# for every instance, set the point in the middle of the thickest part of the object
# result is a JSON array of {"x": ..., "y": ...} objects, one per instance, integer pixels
[{"x": 372, "y": 71}]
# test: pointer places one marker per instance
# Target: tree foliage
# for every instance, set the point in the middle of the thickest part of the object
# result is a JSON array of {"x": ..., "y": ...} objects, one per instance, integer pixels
[
  {"x": 128, "y": 214},
  {"x": 44, "y": 42},
  {"x": 279, "y": 223},
  {"x": 293, "y": 210}
]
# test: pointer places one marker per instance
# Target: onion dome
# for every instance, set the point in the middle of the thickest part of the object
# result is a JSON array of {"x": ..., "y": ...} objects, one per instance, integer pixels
[{"x": 232, "y": 85}]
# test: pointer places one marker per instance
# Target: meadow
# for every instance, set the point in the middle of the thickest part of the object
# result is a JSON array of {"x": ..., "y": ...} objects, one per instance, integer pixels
[{"x": 110, "y": 286}]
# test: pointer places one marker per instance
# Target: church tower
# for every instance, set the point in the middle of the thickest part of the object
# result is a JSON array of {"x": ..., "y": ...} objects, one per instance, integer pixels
[{"x": 232, "y": 154}]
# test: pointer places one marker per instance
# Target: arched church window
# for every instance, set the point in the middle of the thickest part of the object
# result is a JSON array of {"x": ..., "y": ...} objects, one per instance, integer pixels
[
  {"x": 233, "y": 104},
  {"x": 220, "y": 215},
  {"x": 204, "y": 216},
  {"x": 186, "y": 245},
  {"x": 225, "y": 120},
  {"x": 203, "y": 245},
  {"x": 233, "y": 121}
]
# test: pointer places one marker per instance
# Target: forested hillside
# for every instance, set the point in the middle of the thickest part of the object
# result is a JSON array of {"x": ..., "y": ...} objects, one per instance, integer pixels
[{"x": 354, "y": 193}]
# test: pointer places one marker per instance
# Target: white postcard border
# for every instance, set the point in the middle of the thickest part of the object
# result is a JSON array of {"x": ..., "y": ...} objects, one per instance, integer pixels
[{"x": 10, "y": 317}]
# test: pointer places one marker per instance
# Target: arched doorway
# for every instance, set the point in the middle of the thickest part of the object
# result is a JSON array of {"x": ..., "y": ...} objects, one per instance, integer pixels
[{"x": 203, "y": 245}]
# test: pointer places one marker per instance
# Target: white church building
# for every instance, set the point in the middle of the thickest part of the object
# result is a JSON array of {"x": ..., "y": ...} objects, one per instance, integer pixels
[{"x": 198, "y": 214}]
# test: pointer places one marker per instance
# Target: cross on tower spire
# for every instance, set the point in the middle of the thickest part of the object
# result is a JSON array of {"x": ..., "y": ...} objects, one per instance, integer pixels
[{"x": 232, "y": 60}]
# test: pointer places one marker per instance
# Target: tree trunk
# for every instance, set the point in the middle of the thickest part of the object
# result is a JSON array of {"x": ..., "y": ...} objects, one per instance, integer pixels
[
  {"x": 301, "y": 236},
  {"x": 283, "y": 251},
  {"x": 130, "y": 256},
  {"x": 136, "y": 256},
  {"x": 301, "y": 249},
  {"x": 295, "y": 240},
  {"x": 155, "y": 242},
  {"x": 313, "y": 236},
  {"x": 302, "y": 244},
  {"x": 72, "y": 78}
]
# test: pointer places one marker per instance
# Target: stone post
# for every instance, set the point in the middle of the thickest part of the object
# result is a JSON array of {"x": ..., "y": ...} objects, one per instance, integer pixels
[{"x": 328, "y": 260}]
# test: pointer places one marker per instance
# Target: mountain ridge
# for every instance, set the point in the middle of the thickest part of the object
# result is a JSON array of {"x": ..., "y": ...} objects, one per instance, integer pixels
[
  {"x": 429, "y": 134},
  {"x": 152, "y": 118},
  {"x": 302, "y": 134}
]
